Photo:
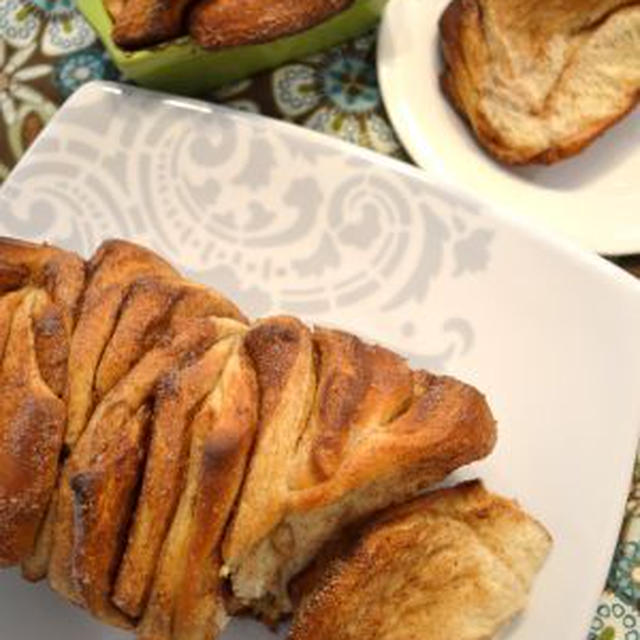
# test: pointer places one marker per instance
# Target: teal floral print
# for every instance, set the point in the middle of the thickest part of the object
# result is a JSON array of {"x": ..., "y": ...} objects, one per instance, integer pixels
[
  {"x": 337, "y": 93},
  {"x": 614, "y": 620},
  {"x": 55, "y": 24},
  {"x": 73, "y": 71}
]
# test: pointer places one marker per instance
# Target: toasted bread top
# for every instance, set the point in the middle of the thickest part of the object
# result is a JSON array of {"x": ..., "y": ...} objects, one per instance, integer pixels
[
  {"x": 346, "y": 429},
  {"x": 133, "y": 299},
  {"x": 187, "y": 600},
  {"x": 31, "y": 427},
  {"x": 216, "y": 24}
]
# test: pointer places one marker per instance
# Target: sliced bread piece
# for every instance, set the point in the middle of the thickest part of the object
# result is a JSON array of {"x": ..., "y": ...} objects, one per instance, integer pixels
[
  {"x": 538, "y": 80},
  {"x": 458, "y": 563}
]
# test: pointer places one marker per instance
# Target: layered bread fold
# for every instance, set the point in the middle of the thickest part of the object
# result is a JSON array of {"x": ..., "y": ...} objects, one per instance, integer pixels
[
  {"x": 186, "y": 599},
  {"x": 346, "y": 429},
  {"x": 97, "y": 492},
  {"x": 458, "y": 563}
]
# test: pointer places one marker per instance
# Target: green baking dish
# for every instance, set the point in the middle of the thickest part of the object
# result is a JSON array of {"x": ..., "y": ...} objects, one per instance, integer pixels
[{"x": 183, "y": 67}]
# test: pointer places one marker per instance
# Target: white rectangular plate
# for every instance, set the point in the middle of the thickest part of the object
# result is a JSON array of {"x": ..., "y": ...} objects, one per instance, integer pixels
[{"x": 282, "y": 219}]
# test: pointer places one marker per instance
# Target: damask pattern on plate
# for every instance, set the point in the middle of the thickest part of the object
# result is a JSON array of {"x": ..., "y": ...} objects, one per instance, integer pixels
[{"x": 311, "y": 231}]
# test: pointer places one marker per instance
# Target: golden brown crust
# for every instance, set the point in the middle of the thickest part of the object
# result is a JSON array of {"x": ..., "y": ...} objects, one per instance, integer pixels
[
  {"x": 142, "y": 321},
  {"x": 112, "y": 270},
  {"x": 458, "y": 562},
  {"x": 60, "y": 273},
  {"x": 40, "y": 287},
  {"x": 144, "y": 23},
  {"x": 275, "y": 345},
  {"x": 486, "y": 41},
  {"x": 31, "y": 428},
  {"x": 186, "y": 600},
  {"x": 91, "y": 460},
  {"x": 364, "y": 446},
  {"x": 178, "y": 395},
  {"x": 103, "y": 496},
  {"x": 215, "y": 24},
  {"x": 51, "y": 342},
  {"x": 358, "y": 385},
  {"x": 133, "y": 300},
  {"x": 12, "y": 276}
]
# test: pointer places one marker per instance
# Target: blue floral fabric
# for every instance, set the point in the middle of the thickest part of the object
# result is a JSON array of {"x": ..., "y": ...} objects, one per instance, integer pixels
[{"x": 48, "y": 50}]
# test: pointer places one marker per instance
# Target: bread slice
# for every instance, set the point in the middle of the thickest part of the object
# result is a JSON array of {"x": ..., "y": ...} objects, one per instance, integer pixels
[
  {"x": 186, "y": 600},
  {"x": 215, "y": 24},
  {"x": 98, "y": 484},
  {"x": 113, "y": 269},
  {"x": 40, "y": 287},
  {"x": 32, "y": 422},
  {"x": 345, "y": 429},
  {"x": 538, "y": 80},
  {"x": 458, "y": 563}
]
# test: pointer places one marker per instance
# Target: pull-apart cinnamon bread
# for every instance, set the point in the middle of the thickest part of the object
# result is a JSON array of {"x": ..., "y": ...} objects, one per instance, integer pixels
[{"x": 166, "y": 463}]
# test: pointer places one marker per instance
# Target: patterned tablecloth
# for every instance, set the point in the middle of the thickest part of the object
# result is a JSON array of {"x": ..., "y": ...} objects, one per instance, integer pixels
[{"x": 47, "y": 51}]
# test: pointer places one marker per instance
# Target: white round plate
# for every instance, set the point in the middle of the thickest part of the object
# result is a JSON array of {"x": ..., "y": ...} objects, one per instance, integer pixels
[{"x": 593, "y": 198}]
